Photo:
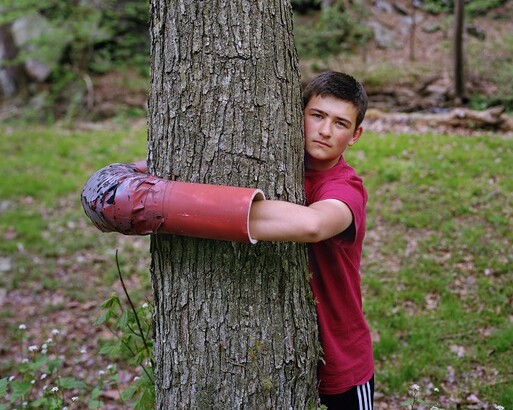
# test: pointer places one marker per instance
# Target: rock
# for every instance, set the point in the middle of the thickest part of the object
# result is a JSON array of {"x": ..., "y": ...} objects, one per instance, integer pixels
[
  {"x": 43, "y": 56},
  {"x": 383, "y": 36}
]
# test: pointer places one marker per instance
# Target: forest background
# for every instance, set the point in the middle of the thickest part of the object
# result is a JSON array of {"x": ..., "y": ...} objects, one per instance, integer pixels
[{"x": 438, "y": 265}]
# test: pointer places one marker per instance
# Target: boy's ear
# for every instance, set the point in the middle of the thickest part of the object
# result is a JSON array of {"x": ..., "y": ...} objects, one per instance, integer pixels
[{"x": 356, "y": 135}]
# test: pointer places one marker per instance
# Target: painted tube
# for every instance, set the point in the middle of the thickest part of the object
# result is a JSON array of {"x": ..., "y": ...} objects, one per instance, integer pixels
[{"x": 124, "y": 198}]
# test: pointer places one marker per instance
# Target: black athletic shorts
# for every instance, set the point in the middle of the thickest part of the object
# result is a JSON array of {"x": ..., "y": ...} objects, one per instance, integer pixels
[{"x": 358, "y": 398}]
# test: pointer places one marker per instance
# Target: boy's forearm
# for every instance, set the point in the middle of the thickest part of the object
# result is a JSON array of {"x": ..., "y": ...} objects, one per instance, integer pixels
[
  {"x": 279, "y": 221},
  {"x": 284, "y": 221}
]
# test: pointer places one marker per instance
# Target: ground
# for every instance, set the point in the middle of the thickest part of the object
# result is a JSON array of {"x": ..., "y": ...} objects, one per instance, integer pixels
[{"x": 42, "y": 307}]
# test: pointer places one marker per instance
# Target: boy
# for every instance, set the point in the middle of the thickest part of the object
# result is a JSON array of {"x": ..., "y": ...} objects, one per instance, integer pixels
[{"x": 333, "y": 223}]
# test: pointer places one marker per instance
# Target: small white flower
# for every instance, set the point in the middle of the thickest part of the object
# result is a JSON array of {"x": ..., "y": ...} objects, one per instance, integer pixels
[
  {"x": 74, "y": 398},
  {"x": 23, "y": 326},
  {"x": 436, "y": 389},
  {"x": 64, "y": 408},
  {"x": 12, "y": 378},
  {"x": 110, "y": 367},
  {"x": 25, "y": 360},
  {"x": 45, "y": 387},
  {"x": 101, "y": 372},
  {"x": 33, "y": 381},
  {"x": 415, "y": 387},
  {"x": 434, "y": 408},
  {"x": 145, "y": 306},
  {"x": 83, "y": 350},
  {"x": 136, "y": 378},
  {"x": 33, "y": 348},
  {"x": 499, "y": 407},
  {"x": 49, "y": 340},
  {"x": 55, "y": 332},
  {"x": 44, "y": 376},
  {"x": 24, "y": 404},
  {"x": 54, "y": 389}
]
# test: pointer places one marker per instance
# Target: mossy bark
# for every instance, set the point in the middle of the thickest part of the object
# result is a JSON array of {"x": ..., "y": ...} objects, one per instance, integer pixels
[{"x": 235, "y": 323}]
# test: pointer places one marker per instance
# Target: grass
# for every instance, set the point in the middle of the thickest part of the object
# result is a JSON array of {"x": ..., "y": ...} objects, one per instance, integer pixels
[
  {"x": 437, "y": 265},
  {"x": 56, "y": 269},
  {"x": 46, "y": 241}
]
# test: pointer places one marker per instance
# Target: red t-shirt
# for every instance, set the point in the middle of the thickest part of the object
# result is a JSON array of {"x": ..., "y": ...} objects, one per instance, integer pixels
[{"x": 335, "y": 264}]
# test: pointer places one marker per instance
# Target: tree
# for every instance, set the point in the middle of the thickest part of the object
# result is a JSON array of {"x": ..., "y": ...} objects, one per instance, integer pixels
[
  {"x": 234, "y": 324},
  {"x": 459, "y": 57},
  {"x": 12, "y": 77}
]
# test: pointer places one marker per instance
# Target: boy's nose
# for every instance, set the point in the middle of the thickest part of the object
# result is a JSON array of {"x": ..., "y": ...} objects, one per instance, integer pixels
[{"x": 324, "y": 129}]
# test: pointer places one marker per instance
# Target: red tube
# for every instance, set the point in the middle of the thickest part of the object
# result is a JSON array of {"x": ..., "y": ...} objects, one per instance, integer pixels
[{"x": 125, "y": 199}]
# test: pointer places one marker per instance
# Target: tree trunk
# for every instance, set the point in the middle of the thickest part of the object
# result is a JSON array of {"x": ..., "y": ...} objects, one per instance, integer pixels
[
  {"x": 12, "y": 76},
  {"x": 235, "y": 324},
  {"x": 413, "y": 30},
  {"x": 459, "y": 58}
]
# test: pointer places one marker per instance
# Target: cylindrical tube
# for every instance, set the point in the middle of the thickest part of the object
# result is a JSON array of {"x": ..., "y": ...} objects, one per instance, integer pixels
[{"x": 123, "y": 198}]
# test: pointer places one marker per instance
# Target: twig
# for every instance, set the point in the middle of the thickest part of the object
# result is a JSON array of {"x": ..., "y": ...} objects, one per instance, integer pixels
[{"x": 141, "y": 333}]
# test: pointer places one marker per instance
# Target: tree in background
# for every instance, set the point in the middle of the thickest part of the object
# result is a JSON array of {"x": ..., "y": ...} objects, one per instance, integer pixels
[
  {"x": 235, "y": 324},
  {"x": 458, "y": 50},
  {"x": 12, "y": 77}
]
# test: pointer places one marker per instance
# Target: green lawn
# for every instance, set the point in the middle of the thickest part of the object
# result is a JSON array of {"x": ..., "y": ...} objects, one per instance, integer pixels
[
  {"x": 438, "y": 267},
  {"x": 437, "y": 270}
]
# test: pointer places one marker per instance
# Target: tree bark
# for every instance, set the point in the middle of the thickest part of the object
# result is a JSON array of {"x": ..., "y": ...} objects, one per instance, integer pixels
[
  {"x": 235, "y": 324},
  {"x": 12, "y": 76},
  {"x": 459, "y": 56}
]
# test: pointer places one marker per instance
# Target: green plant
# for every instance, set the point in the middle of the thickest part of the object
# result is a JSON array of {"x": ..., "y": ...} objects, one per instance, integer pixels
[
  {"x": 74, "y": 40},
  {"x": 416, "y": 400},
  {"x": 497, "y": 69},
  {"x": 334, "y": 31},
  {"x": 430, "y": 399},
  {"x": 36, "y": 382},
  {"x": 473, "y": 8},
  {"x": 132, "y": 329}
]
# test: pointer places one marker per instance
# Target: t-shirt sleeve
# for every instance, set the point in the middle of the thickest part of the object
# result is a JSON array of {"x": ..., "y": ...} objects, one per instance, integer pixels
[{"x": 353, "y": 194}]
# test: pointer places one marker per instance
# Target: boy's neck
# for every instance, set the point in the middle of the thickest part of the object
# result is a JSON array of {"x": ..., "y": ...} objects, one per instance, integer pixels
[{"x": 315, "y": 165}]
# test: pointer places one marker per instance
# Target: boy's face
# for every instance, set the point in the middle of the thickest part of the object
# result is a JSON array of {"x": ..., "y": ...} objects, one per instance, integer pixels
[{"x": 329, "y": 125}]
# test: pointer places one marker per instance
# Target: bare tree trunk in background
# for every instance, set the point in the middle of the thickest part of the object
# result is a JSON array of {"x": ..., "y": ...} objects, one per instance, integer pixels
[
  {"x": 413, "y": 30},
  {"x": 235, "y": 323},
  {"x": 458, "y": 47},
  {"x": 12, "y": 77}
]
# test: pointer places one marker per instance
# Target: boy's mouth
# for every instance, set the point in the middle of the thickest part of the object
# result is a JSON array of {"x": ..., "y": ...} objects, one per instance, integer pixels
[{"x": 321, "y": 143}]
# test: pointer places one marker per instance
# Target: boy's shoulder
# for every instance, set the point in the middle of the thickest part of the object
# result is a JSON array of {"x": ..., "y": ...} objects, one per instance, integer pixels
[{"x": 340, "y": 182}]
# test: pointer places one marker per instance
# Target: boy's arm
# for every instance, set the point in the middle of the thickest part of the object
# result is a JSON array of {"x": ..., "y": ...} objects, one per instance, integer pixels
[
  {"x": 124, "y": 198},
  {"x": 284, "y": 221}
]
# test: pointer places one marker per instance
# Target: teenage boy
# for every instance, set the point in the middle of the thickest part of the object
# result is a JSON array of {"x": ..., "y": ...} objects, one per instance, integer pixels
[
  {"x": 123, "y": 198},
  {"x": 333, "y": 223}
]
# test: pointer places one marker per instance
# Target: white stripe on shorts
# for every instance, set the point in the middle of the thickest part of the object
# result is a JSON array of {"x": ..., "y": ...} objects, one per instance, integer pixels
[{"x": 364, "y": 396}]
